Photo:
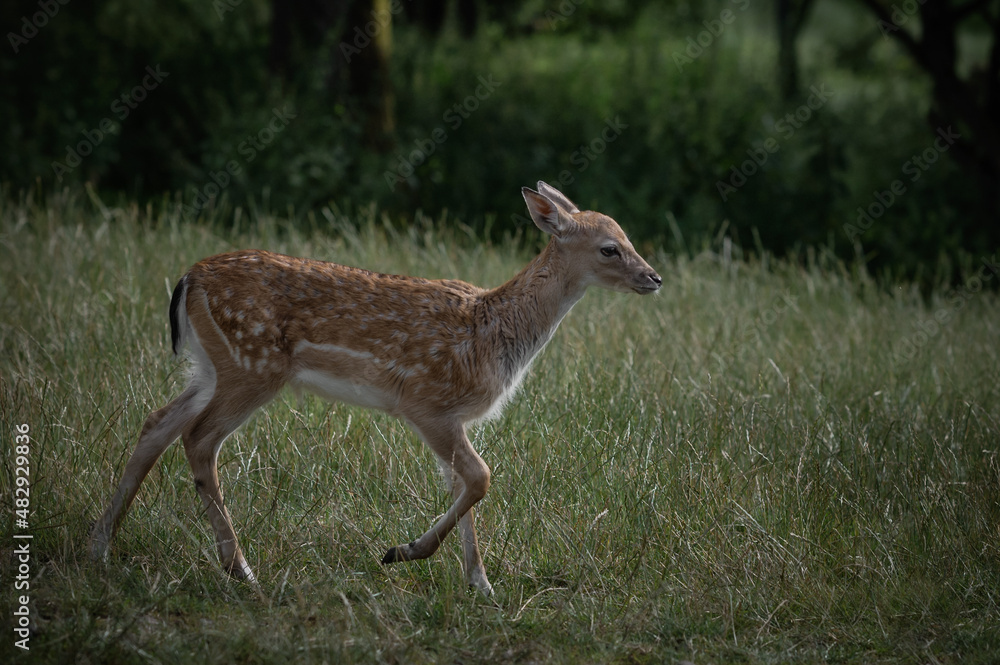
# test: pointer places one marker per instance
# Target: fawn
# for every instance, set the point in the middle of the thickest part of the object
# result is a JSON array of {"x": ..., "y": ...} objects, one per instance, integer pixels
[{"x": 438, "y": 354}]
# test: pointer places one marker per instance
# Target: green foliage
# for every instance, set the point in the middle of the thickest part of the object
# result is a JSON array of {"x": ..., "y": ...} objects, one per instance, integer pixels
[
  {"x": 769, "y": 461},
  {"x": 649, "y": 111}
]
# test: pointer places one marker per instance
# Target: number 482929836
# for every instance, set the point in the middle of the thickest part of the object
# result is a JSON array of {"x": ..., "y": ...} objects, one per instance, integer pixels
[{"x": 22, "y": 482}]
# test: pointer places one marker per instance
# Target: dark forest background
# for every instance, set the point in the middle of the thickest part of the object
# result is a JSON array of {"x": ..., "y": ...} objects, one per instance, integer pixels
[{"x": 867, "y": 127}]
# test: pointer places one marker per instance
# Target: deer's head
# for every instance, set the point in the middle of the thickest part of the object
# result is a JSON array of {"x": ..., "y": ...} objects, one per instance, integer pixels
[{"x": 594, "y": 245}]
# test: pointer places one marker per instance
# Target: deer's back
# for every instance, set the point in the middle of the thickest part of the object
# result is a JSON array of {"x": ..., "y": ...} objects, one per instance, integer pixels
[{"x": 378, "y": 340}]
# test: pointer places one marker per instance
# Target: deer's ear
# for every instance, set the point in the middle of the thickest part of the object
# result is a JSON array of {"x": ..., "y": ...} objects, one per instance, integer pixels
[
  {"x": 557, "y": 197},
  {"x": 545, "y": 213}
]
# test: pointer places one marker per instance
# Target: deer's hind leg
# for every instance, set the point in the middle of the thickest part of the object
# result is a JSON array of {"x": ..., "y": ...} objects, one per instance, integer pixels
[
  {"x": 162, "y": 427},
  {"x": 228, "y": 409}
]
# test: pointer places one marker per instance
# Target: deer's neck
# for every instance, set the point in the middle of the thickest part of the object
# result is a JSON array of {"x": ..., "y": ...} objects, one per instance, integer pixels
[{"x": 523, "y": 314}]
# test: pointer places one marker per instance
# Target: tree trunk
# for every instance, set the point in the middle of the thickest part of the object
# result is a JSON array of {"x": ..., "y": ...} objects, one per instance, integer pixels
[
  {"x": 368, "y": 79},
  {"x": 970, "y": 107},
  {"x": 791, "y": 16}
]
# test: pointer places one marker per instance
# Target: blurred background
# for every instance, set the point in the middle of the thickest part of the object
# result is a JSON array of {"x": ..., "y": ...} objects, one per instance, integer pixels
[{"x": 867, "y": 128}]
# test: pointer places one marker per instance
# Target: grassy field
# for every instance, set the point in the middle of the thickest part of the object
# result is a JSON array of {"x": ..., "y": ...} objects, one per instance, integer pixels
[{"x": 765, "y": 463}]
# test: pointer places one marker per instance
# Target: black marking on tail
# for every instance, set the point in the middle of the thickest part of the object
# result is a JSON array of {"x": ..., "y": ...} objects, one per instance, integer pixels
[{"x": 175, "y": 303}]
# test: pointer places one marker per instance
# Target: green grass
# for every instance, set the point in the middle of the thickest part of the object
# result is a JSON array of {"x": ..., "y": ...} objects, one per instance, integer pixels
[{"x": 747, "y": 468}]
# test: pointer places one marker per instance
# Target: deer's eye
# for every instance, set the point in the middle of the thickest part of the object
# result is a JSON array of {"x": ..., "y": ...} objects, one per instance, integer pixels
[{"x": 609, "y": 251}]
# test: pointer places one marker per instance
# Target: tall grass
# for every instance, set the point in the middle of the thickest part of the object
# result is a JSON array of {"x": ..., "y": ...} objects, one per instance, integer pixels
[{"x": 768, "y": 462}]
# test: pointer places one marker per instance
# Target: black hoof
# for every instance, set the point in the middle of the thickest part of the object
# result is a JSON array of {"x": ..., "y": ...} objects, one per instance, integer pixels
[{"x": 395, "y": 555}]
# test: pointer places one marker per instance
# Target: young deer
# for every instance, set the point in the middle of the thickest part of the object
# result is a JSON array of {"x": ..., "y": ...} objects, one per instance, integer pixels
[{"x": 437, "y": 354}]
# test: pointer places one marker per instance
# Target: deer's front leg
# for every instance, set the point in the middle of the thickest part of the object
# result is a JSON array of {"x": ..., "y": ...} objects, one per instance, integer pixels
[
  {"x": 472, "y": 478},
  {"x": 475, "y": 573}
]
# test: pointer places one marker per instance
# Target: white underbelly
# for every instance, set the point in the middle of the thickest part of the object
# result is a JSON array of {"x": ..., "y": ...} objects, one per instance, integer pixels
[{"x": 339, "y": 389}]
